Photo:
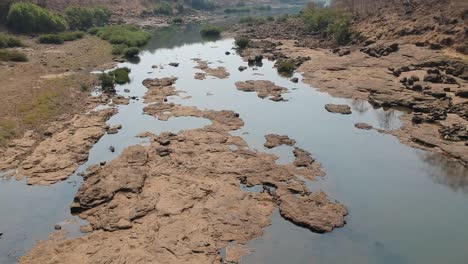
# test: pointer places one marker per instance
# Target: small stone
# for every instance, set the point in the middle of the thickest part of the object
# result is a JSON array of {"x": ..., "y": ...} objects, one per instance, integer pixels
[
  {"x": 295, "y": 80},
  {"x": 242, "y": 68},
  {"x": 227, "y": 53},
  {"x": 86, "y": 229},
  {"x": 363, "y": 126},
  {"x": 174, "y": 64},
  {"x": 127, "y": 90},
  {"x": 112, "y": 149},
  {"x": 102, "y": 163},
  {"x": 341, "y": 109},
  {"x": 57, "y": 227},
  {"x": 154, "y": 66}
]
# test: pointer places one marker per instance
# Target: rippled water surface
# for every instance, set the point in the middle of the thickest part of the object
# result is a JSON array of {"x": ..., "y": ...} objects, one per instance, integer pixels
[{"x": 406, "y": 205}]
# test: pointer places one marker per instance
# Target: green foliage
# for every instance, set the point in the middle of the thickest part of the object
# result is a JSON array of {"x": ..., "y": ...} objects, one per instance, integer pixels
[
  {"x": 177, "y": 20},
  {"x": 328, "y": 22},
  {"x": 29, "y": 18},
  {"x": 117, "y": 76},
  {"x": 286, "y": 67},
  {"x": 211, "y": 31},
  {"x": 60, "y": 38},
  {"x": 50, "y": 39},
  {"x": 93, "y": 31},
  {"x": 163, "y": 8},
  {"x": 131, "y": 52},
  {"x": 12, "y": 55},
  {"x": 43, "y": 107},
  {"x": 71, "y": 36},
  {"x": 262, "y": 8},
  {"x": 203, "y": 4},
  {"x": 119, "y": 49},
  {"x": 251, "y": 21},
  {"x": 86, "y": 17},
  {"x": 270, "y": 18},
  {"x": 8, "y": 41},
  {"x": 237, "y": 10},
  {"x": 242, "y": 42},
  {"x": 283, "y": 18},
  {"x": 121, "y": 75},
  {"x": 179, "y": 6},
  {"x": 7, "y": 131},
  {"x": 123, "y": 34}
]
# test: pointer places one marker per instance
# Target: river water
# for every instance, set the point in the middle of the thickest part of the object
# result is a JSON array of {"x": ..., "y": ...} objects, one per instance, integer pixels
[{"x": 405, "y": 205}]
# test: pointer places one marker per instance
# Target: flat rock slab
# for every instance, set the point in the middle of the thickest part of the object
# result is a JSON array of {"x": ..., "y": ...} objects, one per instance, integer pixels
[{"x": 339, "y": 109}]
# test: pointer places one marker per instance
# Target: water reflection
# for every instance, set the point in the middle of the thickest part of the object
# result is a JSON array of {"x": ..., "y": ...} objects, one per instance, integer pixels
[
  {"x": 359, "y": 105},
  {"x": 389, "y": 119},
  {"x": 446, "y": 171}
]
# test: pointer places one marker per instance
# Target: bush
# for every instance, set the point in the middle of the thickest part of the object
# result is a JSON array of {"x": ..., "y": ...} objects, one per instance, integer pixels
[
  {"x": 179, "y": 6},
  {"x": 242, "y": 42},
  {"x": 94, "y": 30},
  {"x": 71, "y": 36},
  {"x": 328, "y": 22},
  {"x": 119, "y": 49},
  {"x": 250, "y": 21},
  {"x": 203, "y": 4},
  {"x": 107, "y": 82},
  {"x": 84, "y": 17},
  {"x": 131, "y": 52},
  {"x": 29, "y": 18},
  {"x": 270, "y": 18},
  {"x": 177, "y": 20},
  {"x": 12, "y": 55},
  {"x": 121, "y": 75},
  {"x": 262, "y": 8},
  {"x": 123, "y": 34},
  {"x": 163, "y": 8},
  {"x": 211, "y": 31},
  {"x": 7, "y": 41},
  {"x": 236, "y": 10},
  {"x": 50, "y": 39},
  {"x": 286, "y": 67}
]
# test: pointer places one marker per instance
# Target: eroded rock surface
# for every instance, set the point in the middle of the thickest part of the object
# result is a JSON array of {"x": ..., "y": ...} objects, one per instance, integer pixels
[
  {"x": 339, "y": 109},
  {"x": 264, "y": 89},
  {"x": 178, "y": 200},
  {"x": 218, "y": 72},
  {"x": 273, "y": 140}
]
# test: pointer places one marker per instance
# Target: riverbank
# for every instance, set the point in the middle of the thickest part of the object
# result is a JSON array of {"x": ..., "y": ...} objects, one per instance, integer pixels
[{"x": 429, "y": 81}]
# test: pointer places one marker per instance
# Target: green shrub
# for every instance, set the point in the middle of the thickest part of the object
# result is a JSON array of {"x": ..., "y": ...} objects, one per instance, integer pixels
[
  {"x": 7, "y": 41},
  {"x": 85, "y": 17},
  {"x": 93, "y": 31},
  {"x": 250, "y": 21},
  {"x": 119, "y": 49},
  {"x": 211, "y": 31},
  {"x": 107, "y": 82},
  {"x": 262, "y": 8},
  {"x": 50, "y": 39},
  {"x": 131, "y": 52},
  {"x": 283, "y": 18},
  {"x": 236, "y": 10},
  {"x": 179, "y": 6},
  {"x": 71, "y": 36},
  {"x": 203, "y": 4},
  {"x": 163, "y": 8},
  {"x": 286, "y": 67},
  {"x": 12, "y": 55},
  {"x": 242, "y": 42},
  {"x": 124, "y": 34},
  {"x": 177, "y": 20},
  {"x": 328, "y": 22},
  {"x": 121, "y": 75},
  {"x": 270, "y": 18},
  {"x": 29, "y": 18}
]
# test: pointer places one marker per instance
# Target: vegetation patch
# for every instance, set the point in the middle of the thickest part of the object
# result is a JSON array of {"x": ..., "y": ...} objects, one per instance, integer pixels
[
  {"x": 203, "y": 4},
  {"x": 252, "y": 21},
  {"x": 286, "y": 67},
  {"x": 163, "y": 8},
  {"x": 7, "y": 131},
  {"x": 242, "y": 42},
  {"x": 42, "y": 108},
  {"x": 128, "y": 35},
  {"x": 60, "y": 38},
  {"x": 211, "y": 31},
  {"x": 237, "y": 10},
  {"x": 328, "y": 22},
  {"x": 131, "y": 52},
  {"x": 177, "y": 20},
  {"x": 83, "y": 18},
  {"x": 8, "y": 41},
  {"x": 71, "y": 36},
  {"x": 262, "y": 8},
  {"x": 26, "y": 17},
  {"x": 117, "y": 76},
  {"x": 12, "y": 55}
]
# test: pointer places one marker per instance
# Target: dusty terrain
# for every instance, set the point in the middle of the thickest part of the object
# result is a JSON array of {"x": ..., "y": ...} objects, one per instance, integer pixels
[
  {"x": 54, "y": 84},
  {"x": 179, "y": 200}
]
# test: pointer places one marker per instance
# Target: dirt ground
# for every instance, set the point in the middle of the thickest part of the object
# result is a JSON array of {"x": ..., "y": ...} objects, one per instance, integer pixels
[{"x": 54, "y": 84}]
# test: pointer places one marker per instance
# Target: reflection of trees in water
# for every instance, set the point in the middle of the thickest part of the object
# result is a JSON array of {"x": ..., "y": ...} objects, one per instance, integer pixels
[
  {"x": 360, "y": 105},
  {"x": 388, "y": 119},
  {"x": 446, "y": 171}
]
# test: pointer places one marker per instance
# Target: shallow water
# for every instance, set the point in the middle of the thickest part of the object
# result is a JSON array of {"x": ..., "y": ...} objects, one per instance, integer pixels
[{"x": 406, "y": 205}]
